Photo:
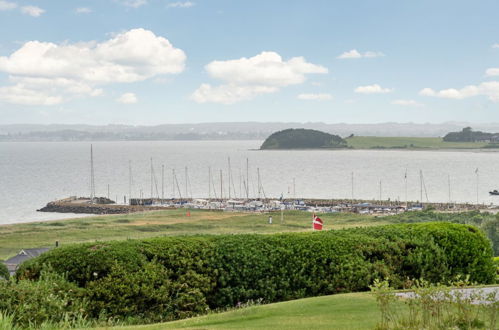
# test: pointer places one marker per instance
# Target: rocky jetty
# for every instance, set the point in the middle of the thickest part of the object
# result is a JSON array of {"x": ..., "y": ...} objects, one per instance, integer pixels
[{"x": 71, "y": 205}]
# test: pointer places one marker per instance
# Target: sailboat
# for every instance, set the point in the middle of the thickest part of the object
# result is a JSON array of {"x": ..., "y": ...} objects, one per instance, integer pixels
[{"x": 494, "y": 192}]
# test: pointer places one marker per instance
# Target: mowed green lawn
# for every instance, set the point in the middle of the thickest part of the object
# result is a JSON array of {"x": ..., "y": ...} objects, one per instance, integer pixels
[
  {"x": 370, "y": 142},
  {"x": 341, "y": 311},
  {"x": 161, "y": 223}
]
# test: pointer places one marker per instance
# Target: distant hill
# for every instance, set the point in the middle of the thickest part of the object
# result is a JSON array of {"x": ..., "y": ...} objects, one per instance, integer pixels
[
  {"x": 221, "y": 131},
  {"x": 301, "y": 138}
]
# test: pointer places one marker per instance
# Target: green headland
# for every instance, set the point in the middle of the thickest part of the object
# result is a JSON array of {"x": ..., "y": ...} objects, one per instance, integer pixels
[{"x": 312, "y": 139}]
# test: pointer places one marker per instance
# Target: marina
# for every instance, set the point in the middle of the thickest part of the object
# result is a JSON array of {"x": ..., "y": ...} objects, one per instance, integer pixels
[
  {"x": 103, "y": 205},
  {"x": 35, "y": 173},
  {"x": 77, "y": 205}
]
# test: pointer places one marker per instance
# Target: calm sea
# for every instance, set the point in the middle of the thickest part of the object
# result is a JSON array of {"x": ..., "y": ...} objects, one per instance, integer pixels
[{"x": 31, "y": 174}]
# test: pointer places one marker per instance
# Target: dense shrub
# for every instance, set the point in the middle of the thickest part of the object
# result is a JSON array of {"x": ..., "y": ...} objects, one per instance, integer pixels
[
  {"x": 4, "y": 272},
  {"x": 175, "y": 277},
  {"x": 485, "y": 221},
  {"x": 50, "y": 298}
]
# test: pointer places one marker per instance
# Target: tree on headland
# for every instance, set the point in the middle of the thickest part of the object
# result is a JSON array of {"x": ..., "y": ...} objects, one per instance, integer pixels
[
  {"x": 301, "y": 138},
  {"x": 468, "y": 135}
]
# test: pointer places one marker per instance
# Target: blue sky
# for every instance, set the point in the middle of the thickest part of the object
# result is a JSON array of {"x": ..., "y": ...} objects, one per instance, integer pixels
[{"x": 159, "y": 61}]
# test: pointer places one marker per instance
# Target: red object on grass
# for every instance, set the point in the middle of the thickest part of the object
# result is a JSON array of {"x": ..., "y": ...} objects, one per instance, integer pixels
[{"x": 317, "y": 223}]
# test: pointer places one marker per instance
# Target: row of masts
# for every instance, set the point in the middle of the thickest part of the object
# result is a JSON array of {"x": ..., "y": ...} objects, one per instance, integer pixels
[
  {"x": 212, "y": 189},
  {"x": 243, "y": 184}
]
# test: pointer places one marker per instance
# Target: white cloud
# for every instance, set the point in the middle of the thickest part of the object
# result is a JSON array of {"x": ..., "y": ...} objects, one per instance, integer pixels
[
  {"x": 315, "y": 97},
  {"x": 77, "y": 69},
  {"x": 83, "y": 10},
  {"x": 492, "y": 72},
  {"x": 185, "y": 4},
  {"x": 373, "y": 89},
  {"x": 350, "y": 54},
  {"x": 18, "y": 94},
  {"x": 407, "y": 103},
  {"x": 229, "y": 94},
  {"x": 495, "y": 46},
  {"x": 489, "y": 89},
  {"x": 127, "y": 98},
  {"x": 245, "y": 78},
  {"x": 6, "y": 5},
  {"x": 132, "y": 3},
  {"x": 32, "y": 11},
  {"x": 354, "y": 53}
]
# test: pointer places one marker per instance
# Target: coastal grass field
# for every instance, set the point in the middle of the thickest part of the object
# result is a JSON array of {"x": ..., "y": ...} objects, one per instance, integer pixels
[
  {"x": 341, "y": 311},
  {"x": 164, "y": 223},
  {"x": 378, "y": 142}
]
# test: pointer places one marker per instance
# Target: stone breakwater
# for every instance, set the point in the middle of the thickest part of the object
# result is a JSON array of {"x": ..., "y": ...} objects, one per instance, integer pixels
[{"x": 87, "y": 208}]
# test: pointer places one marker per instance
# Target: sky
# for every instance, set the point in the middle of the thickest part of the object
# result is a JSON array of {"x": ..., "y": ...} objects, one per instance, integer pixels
[{"x": 149, "y": 62}]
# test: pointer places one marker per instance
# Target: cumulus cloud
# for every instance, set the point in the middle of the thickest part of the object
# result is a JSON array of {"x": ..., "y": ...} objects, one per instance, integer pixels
[
  {"x": 132, "y": 3},
  {"x": 407, "y": 103},
  {"x": 373, "y": 89},
  {"x": 489, "y": 89},
  {"x": 32, "y": 11},
  {"x": 229, "y": 94},
  {"x": 78, "y": 69},
  {"x": 245, "y": 78},
  {"x": 495, "y": 46},
  {"x": 185, "y": 4},
  {"x": 6, "y": 5},
  {"x": 127, "y": 98},
  {"x": 18, "y": 94},
  {"x": 354, "y": 53},
  {"x": 492, "y": 72},
  {"x": 83, "y": 10},
  {"x": 315, "y": 97}
]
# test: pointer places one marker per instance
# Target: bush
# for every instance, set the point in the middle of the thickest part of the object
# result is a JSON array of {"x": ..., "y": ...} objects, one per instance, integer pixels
[
  {"x": 4, "y": 272},
  {"x": 49, "y": 299},
  {"x": 175, "y": 277},
  {"x": 487, "y": 222}
]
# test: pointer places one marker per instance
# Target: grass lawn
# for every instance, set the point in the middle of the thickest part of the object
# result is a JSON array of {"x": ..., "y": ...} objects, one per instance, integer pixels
[
  {"x": 160, "y": 223},
  {"x": 341, "y": 311},
  {"x": 373, "y": 142}
]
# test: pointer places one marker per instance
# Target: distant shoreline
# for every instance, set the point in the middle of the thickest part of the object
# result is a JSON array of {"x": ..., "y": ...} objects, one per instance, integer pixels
[{"x": 403, "y": 143}]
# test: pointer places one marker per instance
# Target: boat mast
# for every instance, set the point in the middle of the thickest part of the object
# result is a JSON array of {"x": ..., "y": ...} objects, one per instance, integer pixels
[
  {"x": 247, "y": 178},
  {"x": 221, "y": 186},
  {"x": 228, "y": 159},
  {"x": 294, "y": 188},
  {"x": 405, "y": 179},
  {"x": 92, "y": 178},
  {"x": 258, "y": 182},
  {"x": 209, "y": 183},
  {"x": 151, "y": 180},
  {"x": 176, "y": 183},
  {"x": 162, "y": 183},
  {"x": 186, "y": 180},
  {"x": 173, "y": 183},
  {"x": 130, "y": 182},
  {"x": 421, "y": 187}
]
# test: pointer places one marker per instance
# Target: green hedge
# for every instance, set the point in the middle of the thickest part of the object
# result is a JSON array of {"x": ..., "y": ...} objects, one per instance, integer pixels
[{"x": 175, "y": 277}]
